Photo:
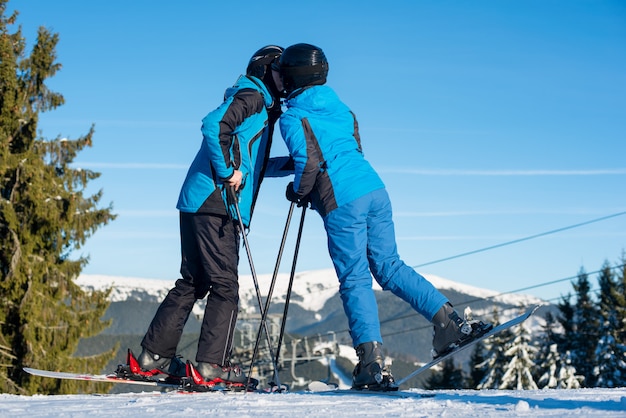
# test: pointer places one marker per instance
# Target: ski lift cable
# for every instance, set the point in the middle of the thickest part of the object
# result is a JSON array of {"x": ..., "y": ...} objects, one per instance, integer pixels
[
  {"x": 516, "y": 241},
  {"x": 554, "y": 231},
  {"x": 472, "y": 301},
  {"x": 510, "y": 243},
  {"x": 404, "y": 331}
]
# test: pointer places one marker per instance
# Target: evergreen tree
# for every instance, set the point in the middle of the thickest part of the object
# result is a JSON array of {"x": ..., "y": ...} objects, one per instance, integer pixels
[
  {"x": 44, "y": 217},
  {"x": 558, "y": 371},
  {"x": 495, "y": 359},
  {"x": 583, "y": 335},
  {"x": 566, "y": 319},
  {"x": 547, "y": 354},
  {"x": 450, "y": 377},
  {"x": 554, "y": 369},
  {"x": 478, "y": 367},
  {"x": 547, "y": 369},
  {"x": 521, "y": 354},
  {"x": 567, "y": 375},
  {"x": 610, "y": 370},
  {"x": 619, "y": 296}
]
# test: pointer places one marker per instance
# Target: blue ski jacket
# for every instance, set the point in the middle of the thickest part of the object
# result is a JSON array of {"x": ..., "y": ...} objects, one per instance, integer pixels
[
  {"x": 322, "y": 136},
  {"x": 236, "y": 135}
]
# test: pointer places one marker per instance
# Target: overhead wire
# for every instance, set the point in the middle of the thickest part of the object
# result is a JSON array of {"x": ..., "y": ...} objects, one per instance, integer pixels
[
  {"x": 323, "y": 288},
  {"x": 492, "y": 247},
  {"x": 516, "y": 241},
  {"x": 473, "y": 301}
]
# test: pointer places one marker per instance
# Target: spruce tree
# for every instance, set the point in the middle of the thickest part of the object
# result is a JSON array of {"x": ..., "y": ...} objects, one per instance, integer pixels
[
  {"x": 478, "y": 368},
  {"x": 585, "y": 330},
  {"x": 547, "y": 354},
  {"x": 495, "y": 359},
  {"x": 44, "y": 217},
  {"x": 567, "y": 377},
  {"x": 610, "y": 370},
  {"x": 620, "y": 300},
  {"x": 619, "y": 296},
  {"x": 554, "y": 369},
  {"x": 566, "y": 319},
  {"x": 521, "y": 360},
  {"x": 558, "y": 372},
  {"x": 450, "y": 377}
]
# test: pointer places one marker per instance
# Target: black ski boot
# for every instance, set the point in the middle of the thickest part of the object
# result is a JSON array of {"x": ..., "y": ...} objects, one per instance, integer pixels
[
  {"x": 155, "y": 364},
  {"x": 370, "y": 372},
  {"x": 151, "y": 368},
  {"x": 206, "y": 376},
  {"x": 452, "y": 331}
]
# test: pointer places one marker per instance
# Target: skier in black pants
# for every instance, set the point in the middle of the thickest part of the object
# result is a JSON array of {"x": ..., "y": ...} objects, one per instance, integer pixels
[{"x": 234, "y": 153}]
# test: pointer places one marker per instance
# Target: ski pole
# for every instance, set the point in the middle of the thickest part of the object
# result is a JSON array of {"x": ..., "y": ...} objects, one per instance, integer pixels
[
  {"x": 288, "y": 297},
  {"x": 265, "y": 311},
  {"x": 233, "y": 196}
]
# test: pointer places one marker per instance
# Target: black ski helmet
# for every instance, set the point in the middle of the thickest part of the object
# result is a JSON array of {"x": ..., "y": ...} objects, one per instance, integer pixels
[
  {"x": 302, "y": 65},
  {"x": 259, "y": 66}
]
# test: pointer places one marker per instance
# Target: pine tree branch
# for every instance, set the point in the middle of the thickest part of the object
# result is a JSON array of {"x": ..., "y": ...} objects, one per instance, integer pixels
[{"x": 17, "y": 254}]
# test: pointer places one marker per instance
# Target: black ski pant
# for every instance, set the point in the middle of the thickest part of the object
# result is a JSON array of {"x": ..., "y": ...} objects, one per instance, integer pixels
[{"x": 210, "y": 256}]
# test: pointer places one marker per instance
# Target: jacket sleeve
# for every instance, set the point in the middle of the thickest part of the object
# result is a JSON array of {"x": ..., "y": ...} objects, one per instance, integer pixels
[
  {"x": 220, "y": 127},
  {"x": 279, "y": 167},
  {"x": 304, "y": 150}
]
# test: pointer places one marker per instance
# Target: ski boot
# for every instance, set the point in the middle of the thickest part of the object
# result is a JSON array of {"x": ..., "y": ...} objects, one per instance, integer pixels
[
  {"x": 210, "y": 377},
  {"x": 370, "y": 372},
  {"x": 451, "y": 331},
  {"x": 151, "y": 367}
]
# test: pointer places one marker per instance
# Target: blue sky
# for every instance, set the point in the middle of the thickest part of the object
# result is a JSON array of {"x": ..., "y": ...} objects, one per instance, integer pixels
[{"x": 489, "y": 121}]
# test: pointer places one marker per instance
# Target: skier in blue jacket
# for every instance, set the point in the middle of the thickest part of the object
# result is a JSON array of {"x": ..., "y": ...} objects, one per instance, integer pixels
[
  {"x": 233, "y": 154},
  {"x": 332, "y": 175}
]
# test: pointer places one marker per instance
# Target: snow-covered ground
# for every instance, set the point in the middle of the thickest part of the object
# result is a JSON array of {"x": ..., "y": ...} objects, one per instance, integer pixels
[
  {"x": 409, "y": 403},
  {"x": 415, "y": 403}
]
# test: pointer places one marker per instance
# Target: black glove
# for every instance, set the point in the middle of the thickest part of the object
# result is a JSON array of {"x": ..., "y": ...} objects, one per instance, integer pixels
[{"x": 292, "y": 196}]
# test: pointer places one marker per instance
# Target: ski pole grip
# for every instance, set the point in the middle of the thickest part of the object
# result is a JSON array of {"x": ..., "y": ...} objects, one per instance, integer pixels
[{"x": 231, "y": 194}]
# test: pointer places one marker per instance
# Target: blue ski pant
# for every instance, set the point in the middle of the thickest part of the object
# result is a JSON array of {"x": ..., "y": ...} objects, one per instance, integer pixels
[{"x": 362, "y": 244}]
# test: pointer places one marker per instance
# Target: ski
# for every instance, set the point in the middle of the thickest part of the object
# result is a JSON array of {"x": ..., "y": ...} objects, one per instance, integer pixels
[
  {"x": 184, "y": 386},
  {"x": 315, "y": 387},
  {"x": 515, "y": 321},
  {"x": 322, "y": 388},
  {"x": 130, "y": 373},
  {"x": 106, "y": 378}
]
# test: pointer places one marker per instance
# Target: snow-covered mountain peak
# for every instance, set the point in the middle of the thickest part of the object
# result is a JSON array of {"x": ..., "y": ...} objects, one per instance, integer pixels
[{"x": 313, "y": 288}]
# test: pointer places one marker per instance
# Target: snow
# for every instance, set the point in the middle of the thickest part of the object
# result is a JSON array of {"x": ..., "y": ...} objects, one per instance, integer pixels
[
  {"x": 123, "y": 288},
  {"x": 410, "y": 403},
  {"x": 314, "y": 289}
]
